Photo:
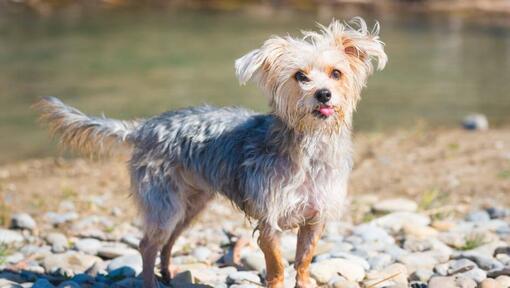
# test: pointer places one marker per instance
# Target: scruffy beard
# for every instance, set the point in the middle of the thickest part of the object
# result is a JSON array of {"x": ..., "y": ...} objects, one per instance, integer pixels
[{"x": 311, "y": 123}]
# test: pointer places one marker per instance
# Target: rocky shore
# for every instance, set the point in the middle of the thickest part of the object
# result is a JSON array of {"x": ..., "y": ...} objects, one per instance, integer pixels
[{"x": 427, "y": 209}]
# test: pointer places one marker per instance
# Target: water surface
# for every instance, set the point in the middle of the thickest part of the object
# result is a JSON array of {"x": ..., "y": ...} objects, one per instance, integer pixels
[{"x": 138, "y": 63}]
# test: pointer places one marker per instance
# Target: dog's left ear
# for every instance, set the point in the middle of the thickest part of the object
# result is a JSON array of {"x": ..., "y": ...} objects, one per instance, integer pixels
[
  {"x": 264, "y": 59},
  {"x": 359, "y": 44}
]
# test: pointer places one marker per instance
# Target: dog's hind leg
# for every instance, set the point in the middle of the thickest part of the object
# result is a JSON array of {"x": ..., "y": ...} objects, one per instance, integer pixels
[
  {"x": 163, "y": 208},
  {"x": 196, "y": 202}
]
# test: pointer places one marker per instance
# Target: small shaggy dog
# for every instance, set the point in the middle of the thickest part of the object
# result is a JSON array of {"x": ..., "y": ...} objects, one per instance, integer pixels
[{"x": 285, "y": 169}]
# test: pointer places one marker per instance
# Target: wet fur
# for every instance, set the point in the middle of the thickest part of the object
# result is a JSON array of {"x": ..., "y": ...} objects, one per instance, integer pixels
[{"x": 284, "y": 169}]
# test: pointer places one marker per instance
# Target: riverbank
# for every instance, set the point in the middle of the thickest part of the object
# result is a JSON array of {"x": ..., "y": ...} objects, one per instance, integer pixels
[{"x": 425, "y": 206}]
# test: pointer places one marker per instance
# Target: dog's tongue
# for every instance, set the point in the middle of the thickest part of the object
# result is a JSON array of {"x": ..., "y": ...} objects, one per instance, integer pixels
[{"x": 326, "y": 110}]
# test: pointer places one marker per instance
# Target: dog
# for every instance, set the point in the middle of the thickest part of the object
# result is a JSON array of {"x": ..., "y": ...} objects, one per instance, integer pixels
[{"x": 286, "y": 169}]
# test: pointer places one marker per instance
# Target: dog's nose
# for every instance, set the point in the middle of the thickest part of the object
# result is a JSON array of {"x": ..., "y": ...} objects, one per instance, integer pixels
[{"x": 323, "y": 95}]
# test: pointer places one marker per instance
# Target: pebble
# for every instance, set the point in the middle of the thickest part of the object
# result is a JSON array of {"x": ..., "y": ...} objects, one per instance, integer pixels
[
  {"x": 133, "y": 261},
  {"x": 475, "y": 122},
  {"x": 58, "y": 242},
  {"x": 113, "y": 250},
  {"x": 56, "y": 218},
  {"x": 10, "y": 236},
  {"x": 396, "y": 220},
  {"x": 489, "y": 283},
  {"x": 71, "y": 261},
  {"x": 395, "y": 273},
  {"x": 418, "y": 260},
  {"x": 395, "y": 205},
  {"x": 88, "y": 245},
  {"x": 323, "y": 271},
  {"x": 243, "y": 277},
  {"x": 23, "y": 221},
  {"x": 503, "y": 281},
  {"x": 478, "y": 216},
  {"x": 254, "y": 261},
  {"x": 201, "y": 253}
]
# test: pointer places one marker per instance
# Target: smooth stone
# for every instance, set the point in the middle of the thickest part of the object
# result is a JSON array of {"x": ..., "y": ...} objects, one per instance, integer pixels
[
  {"x": 58, "y": 242},
  {"x": 475, "y": 122},
  {"x": 353, "y": 258},
  {"x": 497, "y": 213},
  {"x": 455, "y": 266},
  {"x": 254, "y": 261},
  {"x": 23, "y": 221},
  {"x": 418, "y": 260},
  {"x": 443, "y": 225},
  {"x": 68, "y": 284},
  {"x": 10, "y": 236},
  {"x": 323, "y": 271},
  {"x": 395, "y": 205},
  {"x": 372, "y": 233},
  {"x": 395, "y": 273},
  {"x": 4, "y": 283},
  {"x": 56, "y": 218},
  {"x": 88, "y": 245},
  {"x": 396, "y": 220},
  {"x": 421, "y": 232},
  {"x": 482, "y": 261},
  {"x": 42, "y": 283},
  {"x": 341, "y": 282},
  {"x": 113, "y": 250},
  {"x": 380, "y": 261},
  {"x": 201, "y": 253},
  {"x": 421, "y": 275},
  {"x": 131, "y": 241},
  {"x": 478, "y": 216},
  {"x": 489, "y": 283},
  {"x": 504, "y": 281},
  {"x": 133, "y": 261},
  {"x": 243, "y": 277},
  {"x": 71, "y": 261}
]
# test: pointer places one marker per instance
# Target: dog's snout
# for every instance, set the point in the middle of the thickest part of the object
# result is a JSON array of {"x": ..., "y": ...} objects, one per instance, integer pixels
[{"x": 323, "y": 95}]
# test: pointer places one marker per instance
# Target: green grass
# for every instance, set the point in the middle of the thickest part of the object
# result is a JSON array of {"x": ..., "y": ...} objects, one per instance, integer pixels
[
  {"x": 4, "y": 250},
  {"x": 473, "y": 241},
  {"x": 505, "y": 174}
]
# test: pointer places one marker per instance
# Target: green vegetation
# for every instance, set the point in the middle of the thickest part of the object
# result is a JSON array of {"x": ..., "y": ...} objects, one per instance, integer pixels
[{"x": 473, "y": 241}]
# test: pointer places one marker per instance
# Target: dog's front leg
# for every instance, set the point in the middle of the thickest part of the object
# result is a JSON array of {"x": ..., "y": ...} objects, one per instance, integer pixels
[
  {"x": 269, "y": 242},
  {"x": 308, "y": 236}
]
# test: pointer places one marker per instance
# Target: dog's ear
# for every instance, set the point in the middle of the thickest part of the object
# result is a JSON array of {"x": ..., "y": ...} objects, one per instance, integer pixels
[
  {"x": 262, "y": 60},
  {"x": 358, "y": 43}
]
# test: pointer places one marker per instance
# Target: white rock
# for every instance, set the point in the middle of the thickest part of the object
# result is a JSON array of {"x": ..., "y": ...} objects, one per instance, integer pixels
[
  {"x": 75, "y": 262},
  {"x": 58, "y": 242},
  {"x": 10, "y": 236},
  {"x": 323, "y": 271},
  {"x": 133, "y": 261},
  {"x": 396, "y": 220},
  {"x": 395, "y": 273},
  {"x": 23, "y": 221},
  {"x": 88, "y": 245},
  {"x": 395, "y": 205}
]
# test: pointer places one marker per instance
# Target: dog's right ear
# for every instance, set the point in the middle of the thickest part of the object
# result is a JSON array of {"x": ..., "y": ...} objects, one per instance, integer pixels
[{"x": 262, "y": 60}]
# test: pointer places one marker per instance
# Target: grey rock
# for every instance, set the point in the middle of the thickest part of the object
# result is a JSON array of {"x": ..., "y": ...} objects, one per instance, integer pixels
[
  {"x": 10, "y": 236},
  {"x": 497, "y": 213},
  {"x": 23, "y": 221},
  {"x": 482, "y": 261},
  {"x": 133, "y": 261},
  {"x": 58, "y": 242},
  {"x": 243, "y": 277},
  {"x": 475, "y": 122},
  {"x": 59, "y": 218},
  {"x": 418, "y": 260},
  {"x": 478, "y": 216},
  {"x": 4, "y": 283},
  {"x": 88, "y": 245},
  {"x": 372, "y": 233},
  {"x": 353, "y": 258}
]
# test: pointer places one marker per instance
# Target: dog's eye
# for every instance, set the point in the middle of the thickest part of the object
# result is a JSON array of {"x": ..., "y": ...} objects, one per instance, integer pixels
[
  {"x": 301, "y": 77},
  {"x": 336, "y": 74}
]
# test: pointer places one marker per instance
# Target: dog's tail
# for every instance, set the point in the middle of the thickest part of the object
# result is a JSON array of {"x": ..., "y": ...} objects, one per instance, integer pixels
[{"x": 94, "y": 135}]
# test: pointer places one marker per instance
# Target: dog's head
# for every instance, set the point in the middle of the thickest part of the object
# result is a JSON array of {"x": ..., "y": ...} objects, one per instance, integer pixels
[{"x": 314, "y": 82}]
